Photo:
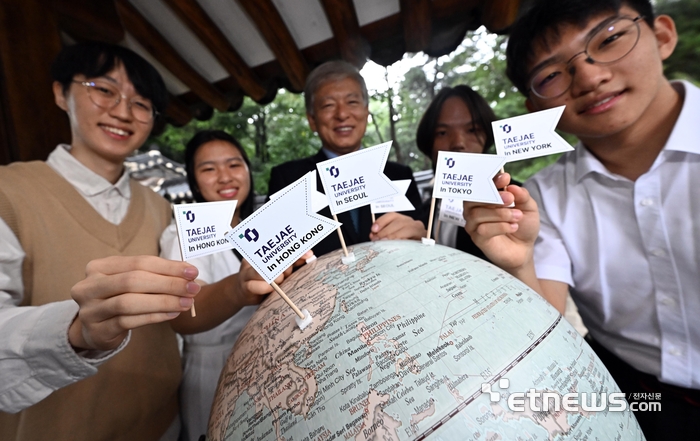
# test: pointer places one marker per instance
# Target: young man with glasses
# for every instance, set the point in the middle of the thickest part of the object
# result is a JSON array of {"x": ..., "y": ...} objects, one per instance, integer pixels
[
  {"x": 86, "y": 350},
  {"x": 613, "y": 221}
]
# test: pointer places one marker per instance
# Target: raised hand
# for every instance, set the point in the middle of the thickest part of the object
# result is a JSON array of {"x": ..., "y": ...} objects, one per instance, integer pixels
[
  {"x": 397, "y": 226},
  {"x": 505, "y": 234},
  {"x": 121, "y": 293}
]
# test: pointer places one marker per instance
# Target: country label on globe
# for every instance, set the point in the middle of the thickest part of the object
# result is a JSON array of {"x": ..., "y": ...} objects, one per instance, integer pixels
[{"x": 411, "y": 342}]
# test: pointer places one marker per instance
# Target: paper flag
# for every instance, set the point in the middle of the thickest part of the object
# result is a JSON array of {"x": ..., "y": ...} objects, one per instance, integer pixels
[
  {"x": 281, "y": 231},
  {"x": 467, "y": 177},
  {"x": 529, "y": 136},
  {"x": 451, "y": 212},
  {"x": 356, "y": 179},
  {"x": 201, "y": 227},
  {"x": 398, "y": 202},
  {"x": 319, "y": 201}
]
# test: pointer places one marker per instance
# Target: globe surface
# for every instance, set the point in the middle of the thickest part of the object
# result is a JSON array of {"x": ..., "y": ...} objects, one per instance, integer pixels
[{"x": 402, "y": 341}]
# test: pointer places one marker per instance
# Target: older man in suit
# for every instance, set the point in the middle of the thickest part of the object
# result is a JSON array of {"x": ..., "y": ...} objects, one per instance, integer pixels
[{"x": 337, "y": 109}]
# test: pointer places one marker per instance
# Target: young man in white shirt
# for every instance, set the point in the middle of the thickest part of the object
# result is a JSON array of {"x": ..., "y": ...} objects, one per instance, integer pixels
[{"x": 611, "y": 222}]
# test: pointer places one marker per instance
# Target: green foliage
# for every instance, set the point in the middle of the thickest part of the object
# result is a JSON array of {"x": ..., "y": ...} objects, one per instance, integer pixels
[
  {"x": 684, "y": 63},
  {"x": 271, "y": 134},
  {"x": 279, "y": 132}
]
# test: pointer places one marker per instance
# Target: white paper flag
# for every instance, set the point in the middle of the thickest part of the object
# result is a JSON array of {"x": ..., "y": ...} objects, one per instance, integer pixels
[
  {"x": 398, "y": 202},
  {"x": 467, "y": 177},
  {"x": 319, "y": 201},
  {"x": 529, "y": 136},
  {"x": 281, "y": 231},
  {"x": 356, "y": 179},
  {"x": 201, "y": 227},
  {"x": 451, "y": 212}
]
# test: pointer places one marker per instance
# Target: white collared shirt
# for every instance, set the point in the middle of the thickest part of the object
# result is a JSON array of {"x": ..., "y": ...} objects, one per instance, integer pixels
[
  {"x": 110, "y": 200},
  {"x": 630, "y": 250}
]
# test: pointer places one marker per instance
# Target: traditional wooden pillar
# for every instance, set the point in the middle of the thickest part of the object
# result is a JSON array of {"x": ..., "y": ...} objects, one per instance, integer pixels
[{"x": 30, "y": 122}]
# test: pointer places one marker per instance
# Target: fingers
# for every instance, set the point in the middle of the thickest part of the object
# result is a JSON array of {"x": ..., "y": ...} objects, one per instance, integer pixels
[
  {"x": 502, "y": 180},
  {"x": 123, "y": 264},
  {"x": 120, "y": 293},
  {"x": 397, "y": 226}
]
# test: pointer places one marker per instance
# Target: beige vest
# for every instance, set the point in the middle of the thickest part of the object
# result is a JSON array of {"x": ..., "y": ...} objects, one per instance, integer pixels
[{"x": 134, "y": 394}]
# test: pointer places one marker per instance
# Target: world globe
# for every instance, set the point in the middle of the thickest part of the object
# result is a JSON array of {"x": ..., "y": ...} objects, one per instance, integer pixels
[{"x": 412, "y": 342}]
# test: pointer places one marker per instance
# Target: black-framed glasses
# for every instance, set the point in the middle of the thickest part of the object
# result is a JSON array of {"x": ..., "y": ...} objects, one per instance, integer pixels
[
  {"x": 610, "y": 43},
  {"x": 107, "y": 96}
]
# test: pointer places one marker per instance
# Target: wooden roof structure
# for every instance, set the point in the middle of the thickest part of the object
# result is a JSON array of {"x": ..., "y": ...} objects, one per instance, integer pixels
[{"x": 212, "y": 53}]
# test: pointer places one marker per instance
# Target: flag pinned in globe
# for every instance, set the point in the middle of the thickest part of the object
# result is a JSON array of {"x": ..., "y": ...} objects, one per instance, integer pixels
[
  {"x": 467, "y": 177},
  {"x": 319, "y": 201},
  {"x": 201, "y": 227},
  {"x": 397, "y": 202},
  {"x": 451, "y": 212},
  {"x": 356, "y": 179},
  {"x": 529, "y": 136},
  {"x": 278, "y": 233}
]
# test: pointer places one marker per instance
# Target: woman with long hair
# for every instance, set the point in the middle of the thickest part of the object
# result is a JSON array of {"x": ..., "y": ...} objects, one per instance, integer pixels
[{"x": 218, "y": 169}]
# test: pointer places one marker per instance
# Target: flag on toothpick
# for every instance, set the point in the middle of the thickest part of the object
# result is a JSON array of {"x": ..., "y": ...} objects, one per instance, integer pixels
[
  {"x": 201, "y": 227},
  {"x": 467, "y": 177},
  {"x": 281, "y": 231},
  {"x": 451, "y": 212},
  {"x": 319, "y": 201},
  {"x": 529, "y": 136},
  {"x": 397, "y": 202},
  {"x": 356, "y": 179}
]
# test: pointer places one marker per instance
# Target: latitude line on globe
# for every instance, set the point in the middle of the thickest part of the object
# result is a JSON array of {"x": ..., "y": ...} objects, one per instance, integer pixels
[{"x": 495, "y": 378}]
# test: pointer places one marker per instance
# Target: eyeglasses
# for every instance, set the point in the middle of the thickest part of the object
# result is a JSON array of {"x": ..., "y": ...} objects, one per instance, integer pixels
[
  {"x": 607, "y": 45},
  {"x": 107, "y": 96}
]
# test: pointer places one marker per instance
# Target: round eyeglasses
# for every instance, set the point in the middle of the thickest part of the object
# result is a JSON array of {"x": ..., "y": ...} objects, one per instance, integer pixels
[
  {"x": 107, "y": 96},
  {"x": 610, "y": 43}
]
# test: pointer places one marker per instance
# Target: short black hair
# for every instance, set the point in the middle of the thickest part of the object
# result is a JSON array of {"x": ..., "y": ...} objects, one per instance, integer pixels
[
  {"x": 543, "y": 21},
  {"x": 94, "y": 59},
  {"x": 198, "y": 140},
  {"x": 482, "y": 116}
]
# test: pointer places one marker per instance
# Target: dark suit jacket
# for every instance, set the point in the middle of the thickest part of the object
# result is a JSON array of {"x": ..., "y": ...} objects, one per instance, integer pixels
[{"x": 287, "y": 173}]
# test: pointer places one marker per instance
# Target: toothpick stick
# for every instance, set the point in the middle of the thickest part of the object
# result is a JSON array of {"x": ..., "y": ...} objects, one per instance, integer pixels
[
  {"x": 193, "y": 312},
  {"x": 374, "y": 219},
  {"x": 503, "y": 170},
  {"x": 340, "y": 235},
  {"x": 291, "y": 304},
  {"x": 437, "y": 230},
  {"x": 430, "y": 218}
]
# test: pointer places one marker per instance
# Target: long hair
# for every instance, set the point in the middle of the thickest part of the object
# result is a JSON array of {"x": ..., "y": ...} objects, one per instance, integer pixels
[{"x": 203, "y": 137}]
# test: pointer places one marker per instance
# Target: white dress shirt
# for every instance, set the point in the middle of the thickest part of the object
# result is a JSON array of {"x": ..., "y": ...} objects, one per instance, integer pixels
[{"x": 630, "y": 250}]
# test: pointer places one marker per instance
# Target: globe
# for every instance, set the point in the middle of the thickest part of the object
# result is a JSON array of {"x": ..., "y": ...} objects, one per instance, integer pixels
[{"x": 411, "y": 342}]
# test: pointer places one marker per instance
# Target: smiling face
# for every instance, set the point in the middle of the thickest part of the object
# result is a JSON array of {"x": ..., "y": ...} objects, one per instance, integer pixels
[
  {"x": 455, "y": 130},
  {"x": 221, "y": 173},
  {"x": 339, "y": 115},
  {"x": 604, "y": 100},
  {"x": 102, "y": 138}
]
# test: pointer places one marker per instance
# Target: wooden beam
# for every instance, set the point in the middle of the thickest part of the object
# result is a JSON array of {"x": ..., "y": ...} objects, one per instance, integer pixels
[
  {"x": 89, "y": 20},
  {"x": 416, "y": 20},
  {"x": 498, "y": 15},
  {"x": 162, "y": 51},
  {"x": 346, "y": 29},
  {"x": 270, "y": 24},
  {"x": 177, "y": 111},
  {"x": 29, "y": 41},
  {"x": 197, "y": 20}
]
